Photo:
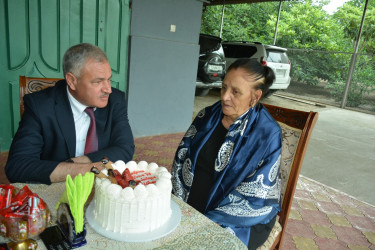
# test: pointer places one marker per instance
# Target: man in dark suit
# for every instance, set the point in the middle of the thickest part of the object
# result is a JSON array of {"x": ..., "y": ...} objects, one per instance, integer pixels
[{"x": 51, "y": 139}]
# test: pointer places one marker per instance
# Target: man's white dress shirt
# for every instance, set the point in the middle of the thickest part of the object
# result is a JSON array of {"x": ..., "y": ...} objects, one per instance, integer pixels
[{"x": 81, "y": 122}]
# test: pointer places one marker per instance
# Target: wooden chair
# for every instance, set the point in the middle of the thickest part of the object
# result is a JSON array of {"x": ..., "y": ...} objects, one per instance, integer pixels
[
  {"x": 296, "y": 128},
  {"x": 34, "y": 84}
]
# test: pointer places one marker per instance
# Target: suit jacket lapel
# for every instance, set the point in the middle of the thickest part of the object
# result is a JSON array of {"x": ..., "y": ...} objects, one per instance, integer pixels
[{"x": 64, "y": 117}]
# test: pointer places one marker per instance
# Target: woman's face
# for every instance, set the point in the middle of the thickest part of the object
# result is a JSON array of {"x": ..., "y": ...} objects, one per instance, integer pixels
[{"x": 238, "y": 93}]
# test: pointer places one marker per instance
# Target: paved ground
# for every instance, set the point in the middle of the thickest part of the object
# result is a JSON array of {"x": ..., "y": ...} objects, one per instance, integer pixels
[
  {"x": 341, "y": 153},
  {"x": 321, "y": 217}
]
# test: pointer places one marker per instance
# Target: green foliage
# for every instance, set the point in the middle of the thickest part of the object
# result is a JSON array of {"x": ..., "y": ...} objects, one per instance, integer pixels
[
  {"x": 241, "y": 22},
  {"x": 354, "y": 97},
  {"x": 311, "y": 66},
  {"x": 362, "y": 83},
  {"x": 308, "y": 26},
  {"x": 312, "y": 35},
  {"x": 349, "y": 16},
  {"x": 211, "y": 19}
]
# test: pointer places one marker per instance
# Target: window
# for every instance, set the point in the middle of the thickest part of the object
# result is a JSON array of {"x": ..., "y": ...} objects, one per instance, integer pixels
[
  {"x": 239, "y": 51},
  {"x": 277, "y": 56}
]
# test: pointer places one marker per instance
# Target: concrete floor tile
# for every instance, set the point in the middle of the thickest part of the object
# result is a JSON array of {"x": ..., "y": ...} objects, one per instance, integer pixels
[
  {"x": 329, "y": 244},
  {"x": 299, "y": 184},
  {"x": 299, "y": 228},
  {"x": 288, "y": 243},
  {"x": 320, "y": 196},
  {"x": 343, "y": 199},
  {"x": 302, "y": 194},
  {"x": 295, "y": 215},
  {"x": 361, "y": 223},
  {"x": 315, "y": 217},
  {"x": 368, "y": 211},
  {"x": 350, "y": 210},
  {"x": 355, "y": 247},
  {"x": 169, "y": 150},
  {"x": 164, "y": 161},
  {"x": 350, "y": 235},
  {"x": 329, "y": 207},
  {"x": 305, "y": 243},
  {"x": 151, "y": 153},
  {"x": 359, "y": 202},
  {"x": 295, "y": 206},
  {"x": 339, "y": 220},
  {"x": 141, "y": 146},
  {"x": 324, "y": 232},
  {"x": 311, "y": 186},
  {"x": 370, "y": 236},
  {"x": 308, "y": 181},
  {"x": 307, "y": 204},
  {"x": 157, "y": 143},
  {"x": 331, "y": 192}
]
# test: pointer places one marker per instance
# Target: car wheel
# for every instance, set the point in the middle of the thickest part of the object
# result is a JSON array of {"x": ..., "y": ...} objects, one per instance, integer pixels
[{"x": 201, "y": 92}]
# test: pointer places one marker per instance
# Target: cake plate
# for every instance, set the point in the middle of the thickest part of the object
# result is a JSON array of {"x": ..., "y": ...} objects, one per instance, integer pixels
[{"x": 162, "y": 231}]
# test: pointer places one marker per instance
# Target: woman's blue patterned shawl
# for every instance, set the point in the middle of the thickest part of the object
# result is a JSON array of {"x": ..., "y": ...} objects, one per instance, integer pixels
[{"x": 246, "y": 189}]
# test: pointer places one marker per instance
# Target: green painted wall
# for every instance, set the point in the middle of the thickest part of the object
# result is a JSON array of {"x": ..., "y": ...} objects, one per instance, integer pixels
[{"x": 34, "y": 34}]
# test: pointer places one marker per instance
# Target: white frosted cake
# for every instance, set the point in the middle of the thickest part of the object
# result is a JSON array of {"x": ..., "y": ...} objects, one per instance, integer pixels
[{"x": 140, "y": 209}]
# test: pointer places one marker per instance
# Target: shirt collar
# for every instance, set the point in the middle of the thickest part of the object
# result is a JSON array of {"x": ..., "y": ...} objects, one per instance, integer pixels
[{"x": 77, "y": 107}]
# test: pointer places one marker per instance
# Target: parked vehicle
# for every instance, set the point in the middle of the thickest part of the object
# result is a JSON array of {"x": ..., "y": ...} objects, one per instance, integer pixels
[
  {"x": 274, "y": 57},
  {"x": 211, "y": 65}
]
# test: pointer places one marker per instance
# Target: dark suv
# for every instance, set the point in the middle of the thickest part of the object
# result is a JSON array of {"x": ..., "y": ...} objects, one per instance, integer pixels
[{"x": 211, "y": 65}]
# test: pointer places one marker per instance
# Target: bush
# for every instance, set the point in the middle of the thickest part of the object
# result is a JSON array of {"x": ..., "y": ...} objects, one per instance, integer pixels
[{"x": 355, "y": 96}]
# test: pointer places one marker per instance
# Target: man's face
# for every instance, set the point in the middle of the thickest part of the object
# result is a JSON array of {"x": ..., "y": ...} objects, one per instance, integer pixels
[{"x": 93, "y": 87}]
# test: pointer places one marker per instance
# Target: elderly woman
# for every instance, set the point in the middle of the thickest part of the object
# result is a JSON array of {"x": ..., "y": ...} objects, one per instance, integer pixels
[{"x": 227, "y": 164}]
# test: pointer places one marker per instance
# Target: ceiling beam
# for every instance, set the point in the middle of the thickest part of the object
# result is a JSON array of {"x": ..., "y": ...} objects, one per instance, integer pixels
[{"x": 221, "y": 2}]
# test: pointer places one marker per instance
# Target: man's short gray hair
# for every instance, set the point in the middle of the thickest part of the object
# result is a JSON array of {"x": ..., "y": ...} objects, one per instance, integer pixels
[{"x": 76, "y": 56}]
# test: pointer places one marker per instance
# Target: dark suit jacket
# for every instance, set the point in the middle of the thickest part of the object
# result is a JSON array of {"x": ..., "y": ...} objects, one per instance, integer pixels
[{"x": 46, "y": 134}]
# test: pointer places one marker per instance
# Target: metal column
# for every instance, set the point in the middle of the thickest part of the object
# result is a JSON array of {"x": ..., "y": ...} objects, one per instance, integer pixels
[
  {"x": 277, "y": 25},
  {"x": 353, "y": 60},
  {"x": 222, "y": 20}
]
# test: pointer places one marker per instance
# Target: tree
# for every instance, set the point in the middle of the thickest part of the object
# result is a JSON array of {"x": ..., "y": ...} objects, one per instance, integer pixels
[
  {"x": 319, "y": 44},
  {"x": 307, "y": 26},
  {"x": 349, "y": 17},
  {"x": 242, "y": 22}
]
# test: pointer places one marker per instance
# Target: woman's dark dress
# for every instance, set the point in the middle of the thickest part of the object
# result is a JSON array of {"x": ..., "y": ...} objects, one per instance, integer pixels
[{"x": 203, "y": 180}]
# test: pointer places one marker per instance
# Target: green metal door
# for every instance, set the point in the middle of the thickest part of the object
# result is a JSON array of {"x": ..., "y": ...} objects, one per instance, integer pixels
[{"x": 34, "y": 34}]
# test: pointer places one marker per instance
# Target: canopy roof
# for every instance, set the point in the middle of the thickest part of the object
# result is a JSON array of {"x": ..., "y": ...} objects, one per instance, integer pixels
[{"x": 221, "y": 2}]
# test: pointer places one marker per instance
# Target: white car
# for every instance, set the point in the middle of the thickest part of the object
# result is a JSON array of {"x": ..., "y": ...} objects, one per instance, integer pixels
[{"x": 272, "y": 56}]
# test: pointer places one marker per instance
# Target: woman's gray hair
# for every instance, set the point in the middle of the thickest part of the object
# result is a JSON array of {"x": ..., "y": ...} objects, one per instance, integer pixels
[{"x": 76, "y": 56}]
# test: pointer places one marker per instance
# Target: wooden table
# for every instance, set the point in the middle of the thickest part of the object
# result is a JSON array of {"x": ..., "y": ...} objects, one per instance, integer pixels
[{"x": 195, "y": 230}]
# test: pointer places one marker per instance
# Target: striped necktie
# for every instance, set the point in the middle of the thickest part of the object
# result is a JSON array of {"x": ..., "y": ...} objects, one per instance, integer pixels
[{"x": 91, "y": 138}]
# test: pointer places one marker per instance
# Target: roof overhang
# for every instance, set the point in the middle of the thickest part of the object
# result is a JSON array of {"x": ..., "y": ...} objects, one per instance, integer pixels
[{"x": 221, "y": 2}]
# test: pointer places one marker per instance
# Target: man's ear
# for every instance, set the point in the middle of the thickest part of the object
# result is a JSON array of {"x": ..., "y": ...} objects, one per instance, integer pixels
[{"x": 71, "y": 80}]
